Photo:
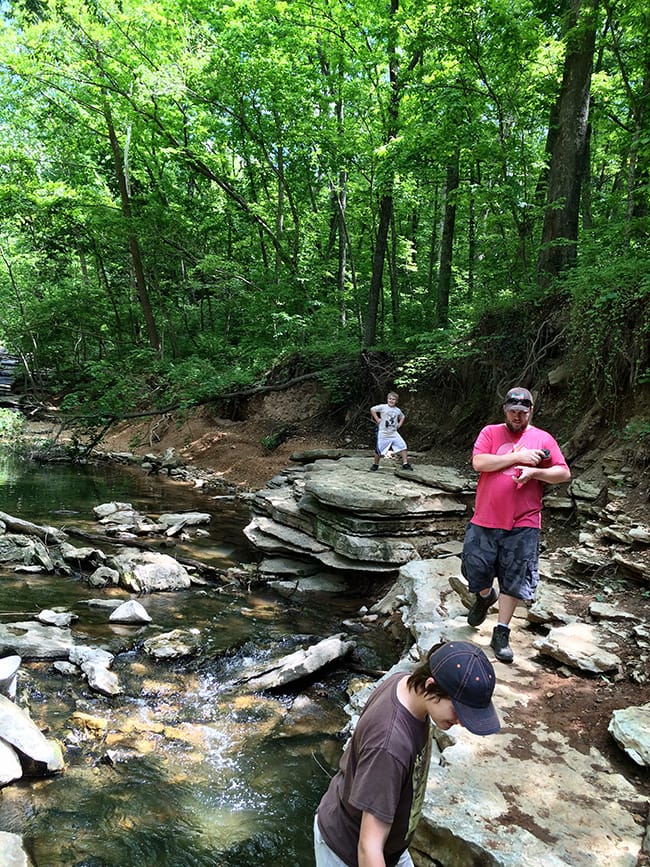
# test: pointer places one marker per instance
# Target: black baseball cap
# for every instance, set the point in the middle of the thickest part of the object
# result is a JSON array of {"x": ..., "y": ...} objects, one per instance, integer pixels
[
  {"x": 463, "y": 671},
  {"x": 519, "y": 398}
]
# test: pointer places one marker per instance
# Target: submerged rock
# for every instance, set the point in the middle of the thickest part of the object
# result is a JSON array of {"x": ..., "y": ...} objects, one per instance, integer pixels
[
  {"x": 174, "y": 644},
  {"x": 298, "y": 665}
]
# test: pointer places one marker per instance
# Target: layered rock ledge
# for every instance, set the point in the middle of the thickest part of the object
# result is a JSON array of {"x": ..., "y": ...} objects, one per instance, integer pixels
[{"x": 338, "y": 514}]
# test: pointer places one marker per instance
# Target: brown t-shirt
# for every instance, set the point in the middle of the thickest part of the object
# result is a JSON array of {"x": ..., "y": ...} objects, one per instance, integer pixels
[{"x": 383, "y": 771}]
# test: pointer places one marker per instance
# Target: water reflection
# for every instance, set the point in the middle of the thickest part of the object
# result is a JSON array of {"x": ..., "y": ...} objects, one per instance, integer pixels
[{"x": 183, "y": 768}]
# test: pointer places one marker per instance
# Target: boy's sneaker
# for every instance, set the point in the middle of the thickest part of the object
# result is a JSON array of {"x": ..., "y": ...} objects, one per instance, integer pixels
[
  {"x": 407, "y": 467},
  {"x": 500, "y": 644},
  {"x": 478, "y": 612},
  {"x": 374, "y": 468}
]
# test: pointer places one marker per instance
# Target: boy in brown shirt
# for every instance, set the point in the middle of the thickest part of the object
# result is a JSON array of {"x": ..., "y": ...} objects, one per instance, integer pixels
[{"x": 372, "y": 806}]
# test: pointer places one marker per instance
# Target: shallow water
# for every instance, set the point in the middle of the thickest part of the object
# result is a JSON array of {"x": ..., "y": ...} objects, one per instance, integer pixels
[{"x": 188, "y": 769}]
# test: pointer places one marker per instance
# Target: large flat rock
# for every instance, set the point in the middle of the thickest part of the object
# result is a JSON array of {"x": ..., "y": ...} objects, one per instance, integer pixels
[
  {"x": 30, "y": 639},
  {"x": 364, "y": 493}
]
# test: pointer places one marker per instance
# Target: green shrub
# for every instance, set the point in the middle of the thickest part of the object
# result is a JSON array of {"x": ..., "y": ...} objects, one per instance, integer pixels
[{"x": 12, "y": 427}]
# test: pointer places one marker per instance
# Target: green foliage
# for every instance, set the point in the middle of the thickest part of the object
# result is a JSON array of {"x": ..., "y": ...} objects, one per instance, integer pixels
[
  {"x": 114, "y": 387},
  {"x": 277, "y": 437},
  {"x": 259, "y": 139},
  {"x": 637, "y": 431},
  {"x": 12, "y": 428},
  {"x": 609, "y": 325}
]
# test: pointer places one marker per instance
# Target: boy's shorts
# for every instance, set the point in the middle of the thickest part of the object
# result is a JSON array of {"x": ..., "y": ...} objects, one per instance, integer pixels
[
  {"x": 385, "y": 443},
  {"x": 512, "y": 556}
]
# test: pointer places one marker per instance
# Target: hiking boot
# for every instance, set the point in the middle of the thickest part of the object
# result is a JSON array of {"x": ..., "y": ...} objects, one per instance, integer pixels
[
  {"x": 407, "y": 467},
  {"x": 374, "y": 468},
  {"x": 478, "y": 612},
  {"x": 500, "y": 645}
]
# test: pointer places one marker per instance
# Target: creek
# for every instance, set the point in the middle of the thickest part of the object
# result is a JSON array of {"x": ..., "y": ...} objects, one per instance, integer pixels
[{"x": 183, "y": 769}]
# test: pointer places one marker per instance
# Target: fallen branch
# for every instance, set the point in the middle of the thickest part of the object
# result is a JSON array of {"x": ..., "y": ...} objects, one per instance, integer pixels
[
  {"x": 108, "y": 421},
  {"x": 26, "y": 528}
]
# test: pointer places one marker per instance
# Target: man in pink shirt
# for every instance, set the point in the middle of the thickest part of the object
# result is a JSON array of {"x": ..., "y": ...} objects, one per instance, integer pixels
[{"x": 515, "y": 460}]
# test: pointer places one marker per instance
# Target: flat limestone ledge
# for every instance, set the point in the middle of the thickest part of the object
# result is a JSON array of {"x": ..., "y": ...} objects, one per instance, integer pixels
[
  {"x": 355, "y": 489},
  {"x": 554, "y": 807}
]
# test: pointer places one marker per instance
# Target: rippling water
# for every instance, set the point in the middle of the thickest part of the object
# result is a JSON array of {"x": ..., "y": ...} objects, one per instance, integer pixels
[{"x": 188, "y": 769}]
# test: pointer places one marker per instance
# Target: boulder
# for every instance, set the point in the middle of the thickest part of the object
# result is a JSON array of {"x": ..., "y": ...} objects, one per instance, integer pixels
[
  {"x": 185, "y": 519},
  {"x": 25, "y": 551},
  {"x": 95, "y": 664},
  {"x": 13, "y": 852},
  {"x": 18, "y": 729},
  {"x": 9, "y": 666},
  {"x": 630, "y": 728},
  {"x": 33, "y": 640},
  {"x": 56, "y": 618},
  {"x": 345, "y": 518},
  {"x": 298, "y": 665},
  {"x": 373, "y": 494},
  {"x": 130, "y": 612},
  {"x": 147, "y": 572},
  {"x": 10, "y": 767},
  {"x": 579, "y": 645}
]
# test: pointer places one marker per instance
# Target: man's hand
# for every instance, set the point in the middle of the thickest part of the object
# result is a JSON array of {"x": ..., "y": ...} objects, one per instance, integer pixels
[
  {"x": 531, "y": 457},
  {"x": 524, "y": 474}
]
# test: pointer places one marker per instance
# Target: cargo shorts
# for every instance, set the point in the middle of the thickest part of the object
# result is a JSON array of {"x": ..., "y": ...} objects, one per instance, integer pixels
[{"x": 511, "y": 556}]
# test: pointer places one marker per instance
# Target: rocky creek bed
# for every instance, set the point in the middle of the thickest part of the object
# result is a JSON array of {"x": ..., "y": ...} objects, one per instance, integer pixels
[{"x": 567, "y": 781}]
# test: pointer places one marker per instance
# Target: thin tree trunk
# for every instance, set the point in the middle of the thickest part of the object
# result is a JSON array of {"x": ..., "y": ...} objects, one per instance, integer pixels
[
  {"x": 134, "y": 247},
  {"x": 376, "y": 280},
  {"x": 447, "y": 244},
  {"x": 394, "y": 286},
  {"x": 386, "y": 201}
]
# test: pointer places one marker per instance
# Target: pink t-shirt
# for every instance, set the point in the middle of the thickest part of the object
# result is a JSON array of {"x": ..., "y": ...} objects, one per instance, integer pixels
[{"x": 500, "y": 502}]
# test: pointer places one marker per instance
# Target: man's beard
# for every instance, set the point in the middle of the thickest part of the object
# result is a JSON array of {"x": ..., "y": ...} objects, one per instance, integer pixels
[{"x": 517, "y": 427}]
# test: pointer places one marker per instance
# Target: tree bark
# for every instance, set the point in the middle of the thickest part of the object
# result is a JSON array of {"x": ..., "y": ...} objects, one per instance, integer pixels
[
  {"x": 134, "y": 247},
  {"x": 447, "y": 244},
  {"x": 568, "y": 145}
]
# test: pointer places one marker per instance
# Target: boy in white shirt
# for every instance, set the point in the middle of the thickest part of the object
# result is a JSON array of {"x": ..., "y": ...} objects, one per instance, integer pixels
[{"x": 389, "y": 418}]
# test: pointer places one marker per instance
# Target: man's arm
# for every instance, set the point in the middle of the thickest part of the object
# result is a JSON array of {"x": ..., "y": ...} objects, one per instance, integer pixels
[
  {"x": 549, "y": 475},
  {"x": 375, "y": 417},
  {"x": 487, "y": 463},
  {"x": 372, "y": 839}
]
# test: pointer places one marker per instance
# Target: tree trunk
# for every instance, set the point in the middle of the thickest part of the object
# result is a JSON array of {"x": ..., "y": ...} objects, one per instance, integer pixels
[
  {"x": 134, "y": 247},
  {"x": 447, "y": 244},
  {"x": 386, "y": 201},
  {"x": 568, "y": 143},
  {"x": 376, "y": 281}
]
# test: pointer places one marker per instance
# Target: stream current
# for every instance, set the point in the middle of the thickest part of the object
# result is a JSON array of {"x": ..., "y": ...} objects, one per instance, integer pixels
[{"x": 184, "y": 768}]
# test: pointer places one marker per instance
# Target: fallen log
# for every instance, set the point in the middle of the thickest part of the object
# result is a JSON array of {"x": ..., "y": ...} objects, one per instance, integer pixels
[{"x": 26, "y": 528}]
